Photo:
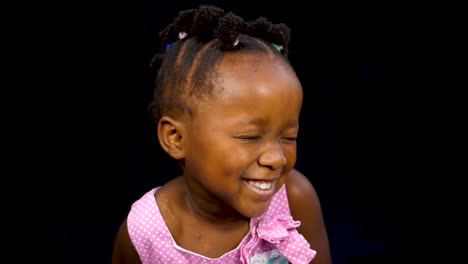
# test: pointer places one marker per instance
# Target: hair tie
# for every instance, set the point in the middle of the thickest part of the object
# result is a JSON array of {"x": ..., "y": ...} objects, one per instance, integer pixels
[
  {"x": 182, "y": 35},
  {"x": 169, "y": 45},
  {"x": 278, "y": 47},
  {"x": 236, "y": 42}
]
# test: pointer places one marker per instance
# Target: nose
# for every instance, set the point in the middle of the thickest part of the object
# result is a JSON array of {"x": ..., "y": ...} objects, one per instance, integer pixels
[{"x": 273, "y": 157}]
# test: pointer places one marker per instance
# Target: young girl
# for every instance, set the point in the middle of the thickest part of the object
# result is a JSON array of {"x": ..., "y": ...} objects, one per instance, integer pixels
[{"x": 227, "y": 106}]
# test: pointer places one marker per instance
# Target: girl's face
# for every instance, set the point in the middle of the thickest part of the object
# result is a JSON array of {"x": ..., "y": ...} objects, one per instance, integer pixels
[{"x": 241, "y": 145}]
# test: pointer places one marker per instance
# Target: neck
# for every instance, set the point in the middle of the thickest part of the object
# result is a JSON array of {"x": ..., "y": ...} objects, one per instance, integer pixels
[{"x": 209, "y": 208}]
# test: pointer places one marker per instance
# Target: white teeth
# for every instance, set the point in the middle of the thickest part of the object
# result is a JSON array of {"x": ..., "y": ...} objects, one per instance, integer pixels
[{"x": 260, "y": 185}]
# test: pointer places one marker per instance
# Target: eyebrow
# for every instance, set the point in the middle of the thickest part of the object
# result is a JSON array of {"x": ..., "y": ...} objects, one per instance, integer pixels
[{"x": 260, "y": 121}]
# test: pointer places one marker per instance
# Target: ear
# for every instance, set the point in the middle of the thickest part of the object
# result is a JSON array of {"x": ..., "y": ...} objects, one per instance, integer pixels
[{"x": 170, "y": 135}]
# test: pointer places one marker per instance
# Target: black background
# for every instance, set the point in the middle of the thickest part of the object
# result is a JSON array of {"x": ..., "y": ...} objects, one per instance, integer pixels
[{"x": 368, "y": 143}]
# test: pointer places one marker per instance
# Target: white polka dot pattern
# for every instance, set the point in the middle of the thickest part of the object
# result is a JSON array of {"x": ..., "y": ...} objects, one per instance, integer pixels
[{"x": 275, "y": 229}]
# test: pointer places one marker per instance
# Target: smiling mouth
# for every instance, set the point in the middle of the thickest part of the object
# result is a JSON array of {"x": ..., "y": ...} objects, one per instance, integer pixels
[
  {"x": 260, "y": 185},
  {"x": 263, "y": 189}
]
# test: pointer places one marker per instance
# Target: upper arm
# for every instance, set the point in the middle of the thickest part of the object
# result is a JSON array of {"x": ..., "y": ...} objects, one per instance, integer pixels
[
  {"x": 305, "y": 207},
  {"x": 124, "y": 252}
]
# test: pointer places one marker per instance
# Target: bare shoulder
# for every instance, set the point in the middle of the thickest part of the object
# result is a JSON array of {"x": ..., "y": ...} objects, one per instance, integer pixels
[
  {"x": 124, "y": 252},
  {"x": 299, "y": 185},
  {"x": 305, "y": 206},
  {"x": 303, "y": 199}
]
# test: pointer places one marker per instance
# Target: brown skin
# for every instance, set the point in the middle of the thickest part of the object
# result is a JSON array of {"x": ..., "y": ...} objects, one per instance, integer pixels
[
  {"x": 245, "y": 132},
  {"x": 304, "y": 205}
]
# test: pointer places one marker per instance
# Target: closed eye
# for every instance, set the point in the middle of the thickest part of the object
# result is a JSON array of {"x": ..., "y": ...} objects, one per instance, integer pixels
[
  {"x": 249, "y": 137},
  {"x": 293, "y": 139}
]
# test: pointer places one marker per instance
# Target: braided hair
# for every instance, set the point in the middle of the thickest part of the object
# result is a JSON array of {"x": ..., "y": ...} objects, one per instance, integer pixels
[{"x": 195, "y": 43}]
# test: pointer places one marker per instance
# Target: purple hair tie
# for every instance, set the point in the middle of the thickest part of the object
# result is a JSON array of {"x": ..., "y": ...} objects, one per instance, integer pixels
[
  {"x": 169, "y": 46},
  {"x": 182, "y": 35}
]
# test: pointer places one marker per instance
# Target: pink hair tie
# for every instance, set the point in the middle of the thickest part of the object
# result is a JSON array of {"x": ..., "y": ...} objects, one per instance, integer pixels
[{"x": 182, "y": 35}]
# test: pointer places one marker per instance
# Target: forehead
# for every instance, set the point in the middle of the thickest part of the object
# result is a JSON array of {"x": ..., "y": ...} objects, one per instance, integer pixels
[
  {"x": 254, "y": 73},
  {"x": 251, "y": 85},
  {"x": 247, "y": 64}
]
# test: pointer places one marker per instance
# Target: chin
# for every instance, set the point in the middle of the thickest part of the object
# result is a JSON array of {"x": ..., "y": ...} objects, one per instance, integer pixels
[{"x": 255, "y": 212}]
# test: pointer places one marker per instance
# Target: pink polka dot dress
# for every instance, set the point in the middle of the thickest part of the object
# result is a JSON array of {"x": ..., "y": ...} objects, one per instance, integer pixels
[{"x": 272, "y": 238}]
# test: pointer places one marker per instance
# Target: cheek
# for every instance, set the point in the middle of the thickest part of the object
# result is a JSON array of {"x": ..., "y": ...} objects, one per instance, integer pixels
[
  {"x": 222, "y": 155},
  {"x": 290, "y": 152},
  {"x": 236, "y": 158}
]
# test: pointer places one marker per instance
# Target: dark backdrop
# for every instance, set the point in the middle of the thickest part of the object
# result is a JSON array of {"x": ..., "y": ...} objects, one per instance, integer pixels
[{"x": 366, "y": 141}]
